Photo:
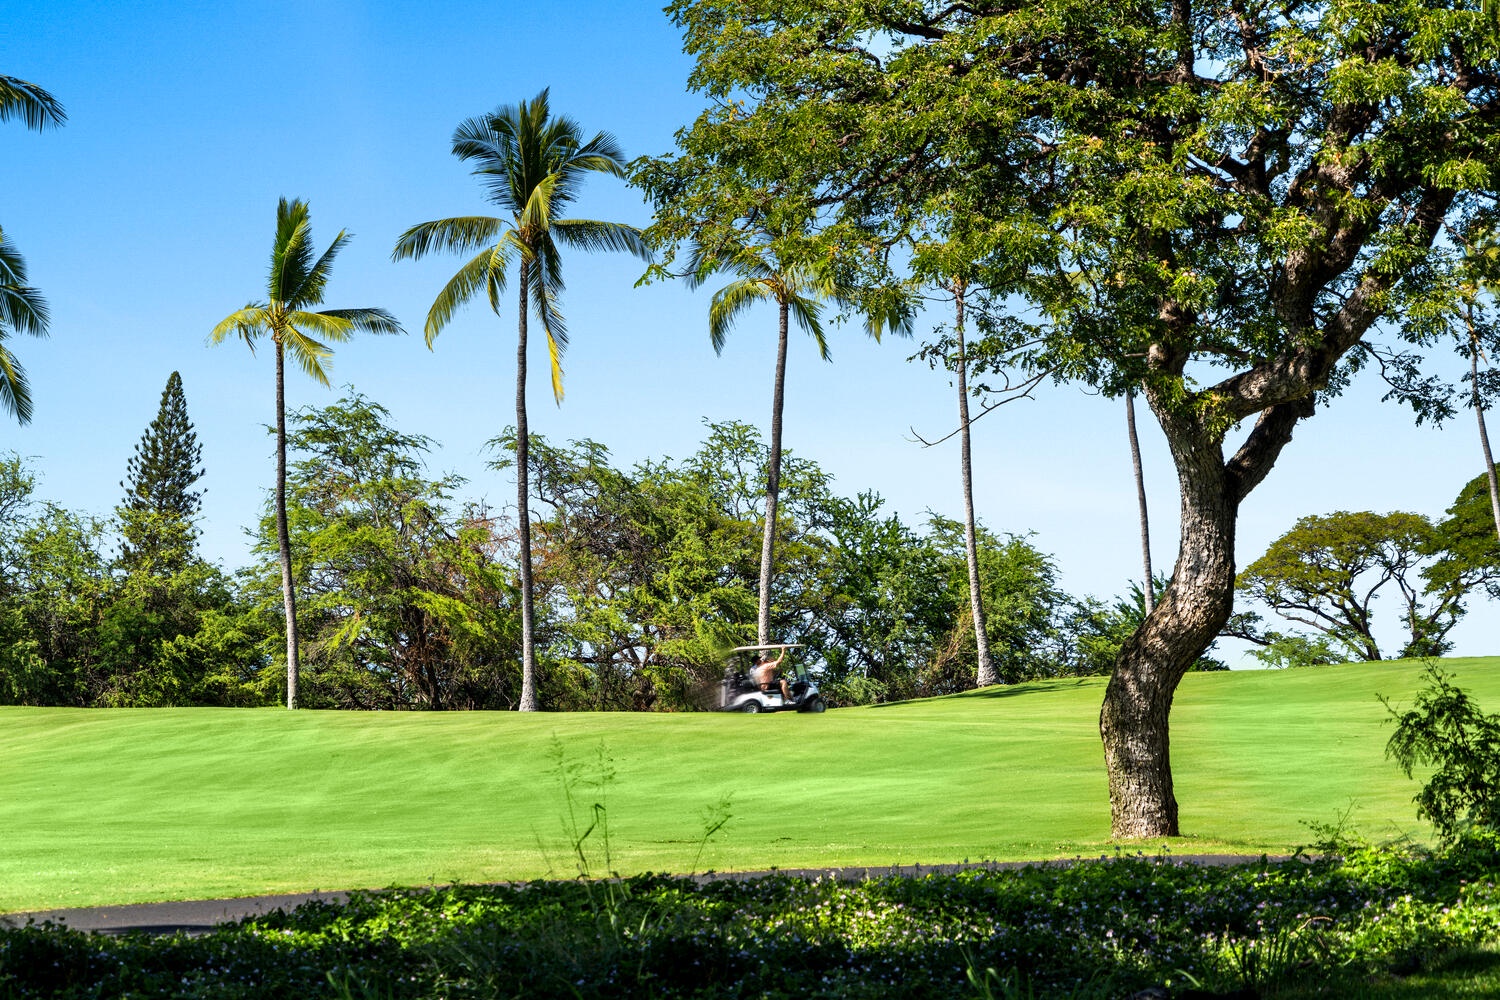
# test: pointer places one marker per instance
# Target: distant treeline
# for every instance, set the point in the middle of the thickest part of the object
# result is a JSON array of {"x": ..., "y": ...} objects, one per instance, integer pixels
[{"x": 408, "y": 595}]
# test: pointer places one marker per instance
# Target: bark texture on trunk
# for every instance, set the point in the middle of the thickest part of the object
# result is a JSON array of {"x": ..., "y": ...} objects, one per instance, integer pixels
[
  {"x": 773, "y": 483},
  {"x": 1140, "y": 499},
  {"x": 1484, "y": 437},
  {"x": 529, "y": 701},
  {"x": 986, "y": 673},
  {"x": 283, "y": 538},
  {"x": 1197, "y": 603}
]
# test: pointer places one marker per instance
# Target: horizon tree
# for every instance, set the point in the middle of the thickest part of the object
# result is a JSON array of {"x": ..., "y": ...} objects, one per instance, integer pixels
[
  {"x": 1255, "y": 194},
  {"x": 532, "y": 165},
  {"x": 297, "y": 281},
  {"x": 22, "y": 307}
]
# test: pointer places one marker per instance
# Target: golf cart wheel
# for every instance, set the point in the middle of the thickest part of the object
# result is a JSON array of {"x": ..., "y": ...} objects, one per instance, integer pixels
[
  {"x": 750, "y": 707},
  {"x": 816, "y": 705}
]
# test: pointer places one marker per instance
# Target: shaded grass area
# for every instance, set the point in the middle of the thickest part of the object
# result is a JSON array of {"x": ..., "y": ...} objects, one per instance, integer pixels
[
  {"x": 1379, "y": 923},
  {"x": 117, "y": 806}
]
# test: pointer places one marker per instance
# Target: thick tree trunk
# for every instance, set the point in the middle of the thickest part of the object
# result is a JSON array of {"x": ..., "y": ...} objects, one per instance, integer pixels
[
  {"x": 1140, "y": 499},
  {"x": 523, "y": 509},
  {"x": 1197, "y": 603},
  {"x": 1484, "y": 437},
  {"x": 283, "y": 538},
  {"x": 773, "y": 484},
  {"x": 986, "y": 674}
]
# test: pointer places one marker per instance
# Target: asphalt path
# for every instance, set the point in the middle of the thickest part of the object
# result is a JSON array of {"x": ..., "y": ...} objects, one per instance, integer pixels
[{"x": 199, "y": 916}]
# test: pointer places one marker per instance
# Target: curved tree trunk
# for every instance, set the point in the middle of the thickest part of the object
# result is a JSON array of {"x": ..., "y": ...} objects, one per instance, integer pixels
[
  {"x": 1197, "y": 603},
  {"x": 283, "y": 539},
  {"x": 1484, "y": 437},
  {"x": 523, "y": 508},
  {"x": 1140, "y": 499},
  {"x": 986, "y": 674},
  {"x": 773, "y": 483}
]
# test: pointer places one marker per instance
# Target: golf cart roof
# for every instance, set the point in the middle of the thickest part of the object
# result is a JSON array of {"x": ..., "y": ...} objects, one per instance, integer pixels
[{"x": 774, "y": 645}]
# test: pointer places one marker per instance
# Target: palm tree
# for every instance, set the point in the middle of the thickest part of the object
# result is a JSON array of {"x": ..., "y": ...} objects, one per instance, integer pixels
[
  {"x": 22, "y": 308},
  {"x": 531, "y": 165},
  {"x": 296, "y": 285},
  {"x": 798, "y": 290}
]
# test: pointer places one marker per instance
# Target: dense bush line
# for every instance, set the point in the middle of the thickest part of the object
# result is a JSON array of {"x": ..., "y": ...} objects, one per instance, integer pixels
[
  {"x": 408, "y": 594},
  {"x": 1094, "y": 929}
]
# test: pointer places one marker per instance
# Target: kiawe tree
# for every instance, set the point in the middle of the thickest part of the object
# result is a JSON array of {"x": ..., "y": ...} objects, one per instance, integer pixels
[
  {"x": 532, "y": 165},
  {"x": 297, "y": 282},
  {"x": 1253, "y": 190}
]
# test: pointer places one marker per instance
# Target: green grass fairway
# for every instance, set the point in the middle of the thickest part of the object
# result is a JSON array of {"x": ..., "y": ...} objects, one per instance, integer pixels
[{"x": 115, "y": 806}]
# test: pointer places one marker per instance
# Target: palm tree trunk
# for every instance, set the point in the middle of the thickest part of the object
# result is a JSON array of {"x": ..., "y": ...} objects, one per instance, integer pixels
[
  {"x": 283, "y": 539},
  {"x": 986, "y": 674},
  {"x": 523, "y": 509},
  {"x": 1484, "y": 438},
  {"x": 773, "y": 484},
  {"x": 1140, "y": 497}
]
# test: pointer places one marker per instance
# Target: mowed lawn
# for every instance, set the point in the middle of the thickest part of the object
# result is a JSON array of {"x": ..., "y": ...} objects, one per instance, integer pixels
[{"x": 114, "y": 806}]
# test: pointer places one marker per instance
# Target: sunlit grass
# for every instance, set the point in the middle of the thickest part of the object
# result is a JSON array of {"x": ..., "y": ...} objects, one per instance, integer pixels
[{"x": 118, "y": 806}]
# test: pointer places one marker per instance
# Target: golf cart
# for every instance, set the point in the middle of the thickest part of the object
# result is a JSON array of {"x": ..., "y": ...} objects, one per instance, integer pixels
[{"x": 740, "y": 693}]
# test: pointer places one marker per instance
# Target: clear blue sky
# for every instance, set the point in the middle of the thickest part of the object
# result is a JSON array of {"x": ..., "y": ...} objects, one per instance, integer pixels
[{"x": 149, "y": 217}]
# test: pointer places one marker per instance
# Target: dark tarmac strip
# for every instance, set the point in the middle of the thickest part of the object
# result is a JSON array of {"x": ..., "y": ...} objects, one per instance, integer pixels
[{"x": 201, "y": 916}]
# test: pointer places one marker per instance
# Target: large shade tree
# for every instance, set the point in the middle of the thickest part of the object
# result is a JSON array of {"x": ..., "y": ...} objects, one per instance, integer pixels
[
  {"x": 532, "y": 165},
  {"x": 298, "y": 279},
  {"x": 22, "y": 308},
  {"x": 1253, "y": 190}
]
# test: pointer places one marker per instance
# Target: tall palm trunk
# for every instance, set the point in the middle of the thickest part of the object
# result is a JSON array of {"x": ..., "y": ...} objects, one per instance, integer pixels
[
  {"x": 523, "y": 507},
  {"x": 986, "y": 674},
  {"x": 283, "y": 538},
  {"x": 1484, "y": 438},
  {"x": 1140, "y": 498},
  {"x": 773, "y": 482}
]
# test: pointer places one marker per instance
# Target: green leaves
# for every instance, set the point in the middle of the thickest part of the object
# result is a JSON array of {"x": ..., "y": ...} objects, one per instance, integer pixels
[{"x": 532, "y": 165}]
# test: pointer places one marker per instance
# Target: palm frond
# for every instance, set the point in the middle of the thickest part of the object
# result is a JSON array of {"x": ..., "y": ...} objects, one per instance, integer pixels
[
  {"x": 310, "y": 292},
  {"x": 332, "y": 328},
  {"x": 591, "y": 235},
  {"x": 23, "y": 309},
  {"x": 806, "y": 311},
  {"x": 461, "y": 288},
  {"x": 727, "y": 304},
  {"x": 536, "y": 214},
  {"x": 250, "y": 322},
  {"x": 15, "y": 391},
  {"x": 291, "y": 252},
  {"x": 32, "y": 104},
  {"x": 463, "y": 234},
  {"x": 309, "y": 354},
  {"x": 379, "y": 321}
]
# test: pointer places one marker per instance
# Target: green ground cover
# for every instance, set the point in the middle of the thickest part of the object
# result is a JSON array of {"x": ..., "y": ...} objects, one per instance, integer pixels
[{"x": 114, "y": 806}]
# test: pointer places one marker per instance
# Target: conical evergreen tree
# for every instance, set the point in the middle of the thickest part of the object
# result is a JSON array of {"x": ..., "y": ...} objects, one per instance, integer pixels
[{"x": 160, "y": 503}]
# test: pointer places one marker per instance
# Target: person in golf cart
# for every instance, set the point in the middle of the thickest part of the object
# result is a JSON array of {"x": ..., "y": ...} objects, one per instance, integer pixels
[{"x": 767, "y": 672}]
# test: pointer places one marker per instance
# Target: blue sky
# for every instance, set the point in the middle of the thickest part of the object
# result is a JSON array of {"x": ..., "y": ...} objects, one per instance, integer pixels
[{"x": 149, "y": 217}]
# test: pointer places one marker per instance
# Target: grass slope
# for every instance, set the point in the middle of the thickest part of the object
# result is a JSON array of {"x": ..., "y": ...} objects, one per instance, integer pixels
[{"x": 115, "y": 806}]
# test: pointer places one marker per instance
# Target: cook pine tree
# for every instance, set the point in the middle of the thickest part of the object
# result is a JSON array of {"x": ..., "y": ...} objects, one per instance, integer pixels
[{"x": 160, "y": 503}]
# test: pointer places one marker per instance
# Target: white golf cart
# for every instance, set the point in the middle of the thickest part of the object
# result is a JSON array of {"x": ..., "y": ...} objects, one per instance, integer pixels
[{"x": 741, "y": 693}]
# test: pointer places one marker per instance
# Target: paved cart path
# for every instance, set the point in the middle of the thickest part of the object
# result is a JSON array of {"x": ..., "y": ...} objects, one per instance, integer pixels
[{"x": 202, "y": 915}]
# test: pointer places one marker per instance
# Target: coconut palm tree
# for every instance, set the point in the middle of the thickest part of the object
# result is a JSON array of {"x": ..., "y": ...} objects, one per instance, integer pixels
[
  {"x": 531, "y": 165},
  {"x": 22, "y": 308},
  {"x": 986, "y": 673},
  {"x": 298, "y": 279},
  {"x": 763, "y": 274}
]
